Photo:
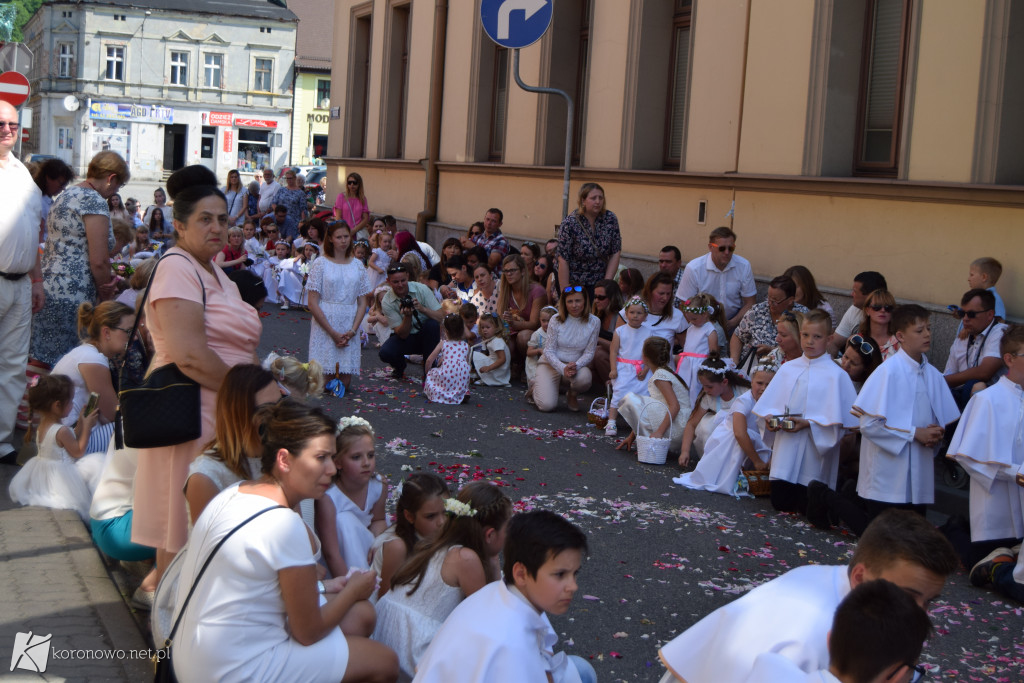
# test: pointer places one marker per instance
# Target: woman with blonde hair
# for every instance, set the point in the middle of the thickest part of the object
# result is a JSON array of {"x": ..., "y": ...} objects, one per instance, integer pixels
[
  {"x": 519, "y": 303},
  {"x": 589, "y": 241}
]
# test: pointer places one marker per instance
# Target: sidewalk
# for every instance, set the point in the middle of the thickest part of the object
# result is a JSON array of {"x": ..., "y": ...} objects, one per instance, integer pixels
[{"x": 52, "y": 581}]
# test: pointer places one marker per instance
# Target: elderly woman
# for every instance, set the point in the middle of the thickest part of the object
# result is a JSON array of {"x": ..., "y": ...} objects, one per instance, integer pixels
[
  {"x": 252, "y": 202},
  {"x": 233, "y": 256},
  {"x": 756, "y": 333},
  {"x": 607, "y": 304},
  {"x": 519, "y": 304},
  {"x": 258, "y": 612},
  {"x": 485, "y": 293},
  {"x": 76, "y": 258},
  {"x": 568, "y": 351},
  {"x": 196, "y": 319},
  {"x": 292, "y": 197},
  {"x": 588, "y": 241}
]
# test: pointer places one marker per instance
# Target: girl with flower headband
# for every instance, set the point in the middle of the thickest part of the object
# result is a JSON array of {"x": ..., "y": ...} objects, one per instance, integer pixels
[
  {"x": 351, "y": 514},
  {"x": 665, "y": 388},
  {"x": 720, "y": 386},
  {"x": 298, "y": 379},
  {"x": 380, "y": 260},
  {"x": 492, "y": 359},
  {"x": 701, "y": 337},
  {"x": 628, "y": 374},
  {"x": 735, "y": 440},
  {"x": 442, "y": 573}
]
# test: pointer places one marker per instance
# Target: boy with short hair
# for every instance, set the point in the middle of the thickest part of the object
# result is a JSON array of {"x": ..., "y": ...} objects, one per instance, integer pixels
[
  {"x": 984, "y": 273},
  {"x": 878, "y": 631},
  {"x": 989, "y": 444},
  {"x": 501, "y": 633},
  {"x": 898, "y": 546},
  {"x": 819, "y": 393}
]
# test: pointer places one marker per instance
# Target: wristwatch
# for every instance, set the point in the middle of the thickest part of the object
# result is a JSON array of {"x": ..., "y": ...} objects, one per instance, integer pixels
[{"x": 320, "y": 587}]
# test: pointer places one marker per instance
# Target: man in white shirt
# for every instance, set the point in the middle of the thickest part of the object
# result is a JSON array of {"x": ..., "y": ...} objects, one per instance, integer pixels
[
  {"x": 21, "y": 280},
  {"x": 863, "y": 285},
  {"x": 723, "y": 274},
  {"x": 975, "y": 358},
  {"x": 268, "y": 192}
]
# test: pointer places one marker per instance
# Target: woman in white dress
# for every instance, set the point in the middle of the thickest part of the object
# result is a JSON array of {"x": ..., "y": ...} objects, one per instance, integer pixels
[
  {"x": 338, "y": 290},
  {"x": 669, "y": 399},
  {"x": 256, "y": 613}
]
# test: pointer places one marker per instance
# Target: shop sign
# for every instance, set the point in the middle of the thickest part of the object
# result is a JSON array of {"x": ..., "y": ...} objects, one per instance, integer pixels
[
  {"x": 139, "y": 113},
  {"x": 255, "y": 123},
  {"x": 317, "y": 118},
  {"x": 219, "y": 118},
  {"x": 229, "y": 140}
]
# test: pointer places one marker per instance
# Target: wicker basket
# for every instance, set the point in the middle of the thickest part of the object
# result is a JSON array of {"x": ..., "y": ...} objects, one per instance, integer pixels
[
  {"x": 758, "y": 482},
  {"x": 651, "y": 450},
  {"x": 598, "y": 413}
]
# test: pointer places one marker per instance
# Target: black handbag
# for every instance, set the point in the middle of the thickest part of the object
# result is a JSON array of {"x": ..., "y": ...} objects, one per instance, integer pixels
[
  {"x": 164, "y": 672},
  {"x": 163, "y": 408}
]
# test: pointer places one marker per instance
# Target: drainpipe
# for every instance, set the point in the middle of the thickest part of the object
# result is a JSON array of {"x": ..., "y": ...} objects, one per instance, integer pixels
[{"x": 429, "y": 211}]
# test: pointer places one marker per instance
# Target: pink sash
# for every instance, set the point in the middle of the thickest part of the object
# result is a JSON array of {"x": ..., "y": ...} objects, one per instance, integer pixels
[{"x": 687, "y": 354}]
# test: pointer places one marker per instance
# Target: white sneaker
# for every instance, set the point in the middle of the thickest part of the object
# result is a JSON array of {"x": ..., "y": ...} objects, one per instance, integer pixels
[
  {"x": 284, "y": 305},
  {"x": 611, "y": 429}
]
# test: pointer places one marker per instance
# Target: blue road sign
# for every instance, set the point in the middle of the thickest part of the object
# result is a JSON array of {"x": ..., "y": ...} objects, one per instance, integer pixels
[{"x": 515, "y": 23}]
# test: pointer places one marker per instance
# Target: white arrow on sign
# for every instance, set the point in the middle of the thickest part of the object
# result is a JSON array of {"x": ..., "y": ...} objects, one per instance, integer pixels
[{"x": 528, "y": 7}]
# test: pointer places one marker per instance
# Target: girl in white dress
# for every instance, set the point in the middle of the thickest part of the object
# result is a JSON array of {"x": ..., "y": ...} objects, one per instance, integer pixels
[
  {"x": 352, "y": 512},
  {"x": 51, "y": 479},
  {"x": 701, "y": 337},
  {"x": 492, "y": 358},
  {"x": 292, "y": 276},
  {"x": 441, "y": 574},
  {"x": 380, "y": 258},
  {"x": 720, "y": 386},
  {"x": 535, "y": 348},
  {"x": 419, "y": 516},
  {"x": 338, "y": 289},
  {"x": 628, "y": 373},
  {"x": 449, "y": 382},
  {"x": 737, "y": 438},
  {"x": 668, "y": 392},
  {"x": 272, "y": 270}
]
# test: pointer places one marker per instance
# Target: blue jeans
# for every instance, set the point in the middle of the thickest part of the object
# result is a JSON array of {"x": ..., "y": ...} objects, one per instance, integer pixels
[
  {"x": 1002, "y": 579},
  {"x": 114, "y": 537},
  {"x": 395, "y": 349}
]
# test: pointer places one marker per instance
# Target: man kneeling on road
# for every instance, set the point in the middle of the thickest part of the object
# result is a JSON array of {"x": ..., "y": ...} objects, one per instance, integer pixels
[{"x": 413, "y": 315}]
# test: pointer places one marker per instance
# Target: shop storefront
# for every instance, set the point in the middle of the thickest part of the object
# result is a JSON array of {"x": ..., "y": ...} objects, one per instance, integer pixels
[{"x": 256, "y": 140}]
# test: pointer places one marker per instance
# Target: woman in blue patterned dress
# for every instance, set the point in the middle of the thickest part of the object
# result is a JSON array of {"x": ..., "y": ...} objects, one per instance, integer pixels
[
  {"x": 76, "y": 257},
  {"x": 293, "y": 198}
]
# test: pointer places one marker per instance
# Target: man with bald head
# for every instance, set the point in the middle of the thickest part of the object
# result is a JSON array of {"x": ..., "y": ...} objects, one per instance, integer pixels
[{"x": 21, "y": 281}]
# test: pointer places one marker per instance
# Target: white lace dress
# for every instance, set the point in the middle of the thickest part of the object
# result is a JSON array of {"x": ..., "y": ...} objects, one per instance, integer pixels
[
  {"x": 339, "y": 286},
  {"x": 407, "y": 623},
  {"x": 52, "y": 479}
]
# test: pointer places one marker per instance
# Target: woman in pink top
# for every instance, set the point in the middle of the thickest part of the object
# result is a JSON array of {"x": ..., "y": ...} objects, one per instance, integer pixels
[
  {"x": 196, "y": 319},
  {"x": 351, "y": 206}
]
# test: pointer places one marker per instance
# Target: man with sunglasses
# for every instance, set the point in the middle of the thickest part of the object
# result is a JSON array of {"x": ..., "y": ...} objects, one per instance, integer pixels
[
  {"x": 413, "y": 315},
  {"x": 974, "y": 358},
  {"x": 21, "y": 280},
  {"x": 722, "y": 273}
]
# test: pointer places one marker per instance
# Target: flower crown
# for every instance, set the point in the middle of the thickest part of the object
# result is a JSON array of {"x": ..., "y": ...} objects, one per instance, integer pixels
[
  {"x": 714, "y": 371},
  {"x": 353, "y": 421},
  {"x": 457, "y": 508},
  {"x": 696, "y": 310},
  {"x": 637, "y": 301},
  {"x": 765, "y": 365}
]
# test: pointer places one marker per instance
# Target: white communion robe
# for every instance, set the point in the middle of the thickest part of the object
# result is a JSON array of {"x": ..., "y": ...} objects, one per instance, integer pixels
[
  {"x": 495, "y": 636},
  {"x": 989, "y": 443},
  {"x": 774, "y": 668},
  {"x": 723, "y": 645},
  {"x": 822, "y": 393},
  {"x": 899, "y": 396}
]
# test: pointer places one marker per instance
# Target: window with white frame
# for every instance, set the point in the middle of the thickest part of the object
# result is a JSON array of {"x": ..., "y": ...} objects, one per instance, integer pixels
[
  {"x": 213, "y": 66},
  {"x": 323, "y": 93},
  {"x": 65, "y": 60},
  {"x": 179, "y": 68},
  {"x": 115, "y": 63},
  {"x": 262, "y": 75}
]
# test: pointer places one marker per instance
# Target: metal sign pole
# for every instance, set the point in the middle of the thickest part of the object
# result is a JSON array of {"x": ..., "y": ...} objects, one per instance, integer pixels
[{"x": 568, "y": 127}]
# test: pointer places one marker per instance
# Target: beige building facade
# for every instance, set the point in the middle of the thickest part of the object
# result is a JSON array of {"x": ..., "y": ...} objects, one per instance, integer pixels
[{"x": 844, "y": 135}]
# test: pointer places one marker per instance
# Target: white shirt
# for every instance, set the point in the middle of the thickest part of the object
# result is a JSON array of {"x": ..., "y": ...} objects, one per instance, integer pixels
[
  {"x": 432, "y": 255},
  {"x": 968, "y": 353},
  {"x": 19, "y": 218},
  {"x": 851, "y": 322},
  {"x": 83, "y": 354},
  {"x": 774, "y": 668},
  {"x": 267, "y": 195},
  {"x": 729, "y": 286},
  {"x": 115, "y": 491}
]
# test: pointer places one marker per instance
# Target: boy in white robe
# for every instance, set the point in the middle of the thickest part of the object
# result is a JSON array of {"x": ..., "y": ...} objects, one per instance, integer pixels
[
  {"x": 877, "y": 631},
  {"x": 899, "y": 546},
  {"x": 820, "y": 394},
  {"x": 989, "y": 444},
  {"x": 501, "y": 633}
]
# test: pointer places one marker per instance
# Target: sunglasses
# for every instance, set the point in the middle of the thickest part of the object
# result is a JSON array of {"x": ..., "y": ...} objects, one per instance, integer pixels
[
  {"x": 529, "y": 244},
  {"x": 540, "y": 265},
  {"x": 397, "y": 269},
  {"x": 888, "y": 308},
  {"x": 573, "y": 288},
  {"x": 352, "y": 182},
  {"x": 724, "y": 248},
  {"x": 13, "y": 126},
  {"x": 970, "y": 315},
  {"x": 600, "y": 297},
  {"x": 859, "y": 342}
]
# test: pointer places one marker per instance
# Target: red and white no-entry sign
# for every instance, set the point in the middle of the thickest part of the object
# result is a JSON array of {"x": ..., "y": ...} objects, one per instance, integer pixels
[{"x": 13, "y": 88}]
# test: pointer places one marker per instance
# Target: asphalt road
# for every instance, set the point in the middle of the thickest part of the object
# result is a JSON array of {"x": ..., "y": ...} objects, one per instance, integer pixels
[{"x": 661, "y": 556}]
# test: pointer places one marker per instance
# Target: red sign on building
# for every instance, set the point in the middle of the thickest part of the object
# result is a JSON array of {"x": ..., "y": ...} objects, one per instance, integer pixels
[
  {"x": 255, "y": 123},
  {"x": 219, "y": 118},
  {"x": 229, "y": 140}
]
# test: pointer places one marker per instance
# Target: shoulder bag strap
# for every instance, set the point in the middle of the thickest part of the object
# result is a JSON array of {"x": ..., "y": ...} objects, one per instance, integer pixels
[{"x": 206, "y": 564}]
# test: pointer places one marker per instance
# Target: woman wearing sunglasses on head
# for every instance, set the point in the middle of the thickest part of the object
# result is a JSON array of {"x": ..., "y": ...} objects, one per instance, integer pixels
[
  {"x": 568, "y": 351},
  {"x": 877, "y": 317}
]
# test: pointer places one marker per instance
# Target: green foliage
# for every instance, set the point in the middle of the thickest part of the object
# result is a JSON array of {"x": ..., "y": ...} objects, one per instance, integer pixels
[{"x": 26, "y": 8}]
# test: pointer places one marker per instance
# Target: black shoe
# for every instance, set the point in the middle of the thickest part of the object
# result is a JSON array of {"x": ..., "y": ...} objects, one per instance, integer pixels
[
  {"x": 817, "y": 505},
  {"x": 397, "y": 374},
  {"x": 10, "y": 459}
]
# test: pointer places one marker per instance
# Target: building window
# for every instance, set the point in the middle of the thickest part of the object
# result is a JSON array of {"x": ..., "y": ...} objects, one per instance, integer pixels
[
  {"x": 213, "y": 65},
  {"x": 263, "y": 73},
  {"x": 679, "y": 72},
  {"x": 120, "y": 17},
  {"x": 396, "y": 85},
  {"x": 265, "y": 29},
  {"x": 582, "y": 69},
  {"x": 115, "y": 63},
  {"x": 66, "y": 14},
  {"x": 323, "y": 93},
  {"x": 882, "y": 82},
  {"x": 358, "y": 101},
  {"x": 179, "y": 68},
  {"x": 499, "y": 106},
  {"x": 65, "y": 60}
]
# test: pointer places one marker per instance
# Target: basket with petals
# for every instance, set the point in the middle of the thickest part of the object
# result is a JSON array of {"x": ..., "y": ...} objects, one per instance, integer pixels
[
  {"x": 758, "y": 482},
  {"x": 598, "y": 413}
]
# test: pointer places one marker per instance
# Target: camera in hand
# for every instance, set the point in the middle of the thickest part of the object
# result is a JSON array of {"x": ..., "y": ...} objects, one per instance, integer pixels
[{"x": 407, "y": 302}]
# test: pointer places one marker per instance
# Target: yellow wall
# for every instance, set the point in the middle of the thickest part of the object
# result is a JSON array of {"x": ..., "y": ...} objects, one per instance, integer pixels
[
  {"x": 305, "y": 104},
  {"x": 457, "y": 110},
  {"x": 607, "y": 83}
]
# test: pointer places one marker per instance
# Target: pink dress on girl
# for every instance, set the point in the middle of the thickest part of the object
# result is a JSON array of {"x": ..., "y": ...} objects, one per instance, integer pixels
[{"x": 449, "y": 382}]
